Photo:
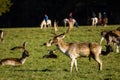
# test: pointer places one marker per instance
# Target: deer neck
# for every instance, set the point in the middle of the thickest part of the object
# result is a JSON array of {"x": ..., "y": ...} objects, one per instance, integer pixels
[
  {"x": 63, "y": 47},
  {"x": 22, "y": 60}
]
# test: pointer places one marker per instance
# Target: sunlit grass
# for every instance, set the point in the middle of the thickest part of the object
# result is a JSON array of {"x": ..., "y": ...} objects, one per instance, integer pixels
[{"x": 37, "y": 68}]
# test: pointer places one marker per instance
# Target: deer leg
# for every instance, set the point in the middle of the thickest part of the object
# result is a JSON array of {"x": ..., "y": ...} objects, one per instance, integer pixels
[
  {"x": 76, "y": 65},
  {"x": 114, "y": 46},
  {"x": 117, "y": 48},
  {"x": 99, "y": 62},
  {"x": 72, "y": 63},
  {"x": 101, "y": 40}
]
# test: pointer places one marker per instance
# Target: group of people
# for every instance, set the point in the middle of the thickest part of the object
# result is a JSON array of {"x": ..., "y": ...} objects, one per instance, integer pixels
[
  {"x": 100, "y": 20},
  {"x": 96, "y": 20}
]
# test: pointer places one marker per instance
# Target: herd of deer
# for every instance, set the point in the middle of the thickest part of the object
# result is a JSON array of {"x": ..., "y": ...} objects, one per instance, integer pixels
[{"x": 72, "y": 50}]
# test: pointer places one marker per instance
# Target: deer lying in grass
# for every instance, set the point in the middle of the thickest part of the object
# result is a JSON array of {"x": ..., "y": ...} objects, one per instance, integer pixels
[
  {"x": 51, "y": 54},
  {"x": 15, "y": 61},
  {"x": 75, "y": 50},
  {"x": 112, "y": 36},
  {"x": 1, "y": 35}
]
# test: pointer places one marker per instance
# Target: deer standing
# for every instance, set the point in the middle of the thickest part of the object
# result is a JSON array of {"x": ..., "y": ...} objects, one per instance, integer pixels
[{"x": 75, "y": 50}]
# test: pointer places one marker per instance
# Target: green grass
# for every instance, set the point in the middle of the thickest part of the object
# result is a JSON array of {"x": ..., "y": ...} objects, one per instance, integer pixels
[{"x": 37, "y": 68}]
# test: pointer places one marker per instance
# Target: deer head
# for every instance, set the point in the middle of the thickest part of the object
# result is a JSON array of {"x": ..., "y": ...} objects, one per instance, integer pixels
[{"x": 58, "y": 38}]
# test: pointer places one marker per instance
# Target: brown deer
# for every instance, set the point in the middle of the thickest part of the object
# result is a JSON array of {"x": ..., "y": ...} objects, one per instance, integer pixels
[
  {"x": 74, "y": 50},
  {"x": 15, "y": 61},
  {"x": 112, "y": 36},
  {"x": 1, "y": 35}
]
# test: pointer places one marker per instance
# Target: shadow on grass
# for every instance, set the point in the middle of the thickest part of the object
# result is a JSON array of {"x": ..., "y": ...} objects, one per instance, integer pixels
[
  {"x": 108, "y": 79},
  {"x": 44, "y": 70}
]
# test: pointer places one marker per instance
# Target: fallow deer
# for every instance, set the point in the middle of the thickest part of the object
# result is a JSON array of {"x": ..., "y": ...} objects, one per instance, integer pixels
[
  {"x": 112, "y": 36},
  {"x": 74, "y": 50},
  {"x": 1, "y": 35},
  {"x": 51, "y": 54},
  {"x": 15, "y": 61}
]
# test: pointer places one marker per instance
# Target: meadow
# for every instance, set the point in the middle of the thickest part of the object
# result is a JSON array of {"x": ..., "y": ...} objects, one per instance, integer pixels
[{"x": 38, "y": 68}]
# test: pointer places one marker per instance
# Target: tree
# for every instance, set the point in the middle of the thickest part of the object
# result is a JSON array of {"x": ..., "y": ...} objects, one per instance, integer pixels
[{"x": 5, "y": 6}]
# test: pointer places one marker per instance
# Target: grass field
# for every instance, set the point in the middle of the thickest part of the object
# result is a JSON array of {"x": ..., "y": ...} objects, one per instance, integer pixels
[{"x": 38, "y": 68}]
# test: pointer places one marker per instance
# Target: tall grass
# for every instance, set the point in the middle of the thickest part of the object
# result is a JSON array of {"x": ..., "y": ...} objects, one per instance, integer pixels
[{"x": 38, "y": 68}]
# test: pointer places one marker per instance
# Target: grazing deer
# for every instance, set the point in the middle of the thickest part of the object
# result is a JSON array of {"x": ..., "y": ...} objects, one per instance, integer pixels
[
  {"x": 74, "y": 50},
  {"x": 112, "y": 36},
  {"x": 15, "y": 61},
  {"x": 1, "y": 35},
  {"x": 108, "y": 50},
  {"x": 19, "y": 47}
]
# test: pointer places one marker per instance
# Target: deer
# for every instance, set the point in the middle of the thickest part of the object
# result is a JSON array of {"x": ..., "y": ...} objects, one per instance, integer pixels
[
  {"x": 15, "y": 61},
  {"x": 112, "y": 36},
  {"x": 1, "y": 35},
  {"x": 51, "y": 54}
]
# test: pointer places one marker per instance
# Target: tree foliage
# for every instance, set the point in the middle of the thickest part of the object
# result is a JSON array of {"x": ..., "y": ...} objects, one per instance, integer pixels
[{"x": 5, "y": 6}]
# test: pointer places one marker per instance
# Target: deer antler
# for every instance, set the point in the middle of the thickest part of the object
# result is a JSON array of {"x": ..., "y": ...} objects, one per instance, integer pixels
[
  {"x": 71, "y": 26},
  {"x": 55, "y": 26}
]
